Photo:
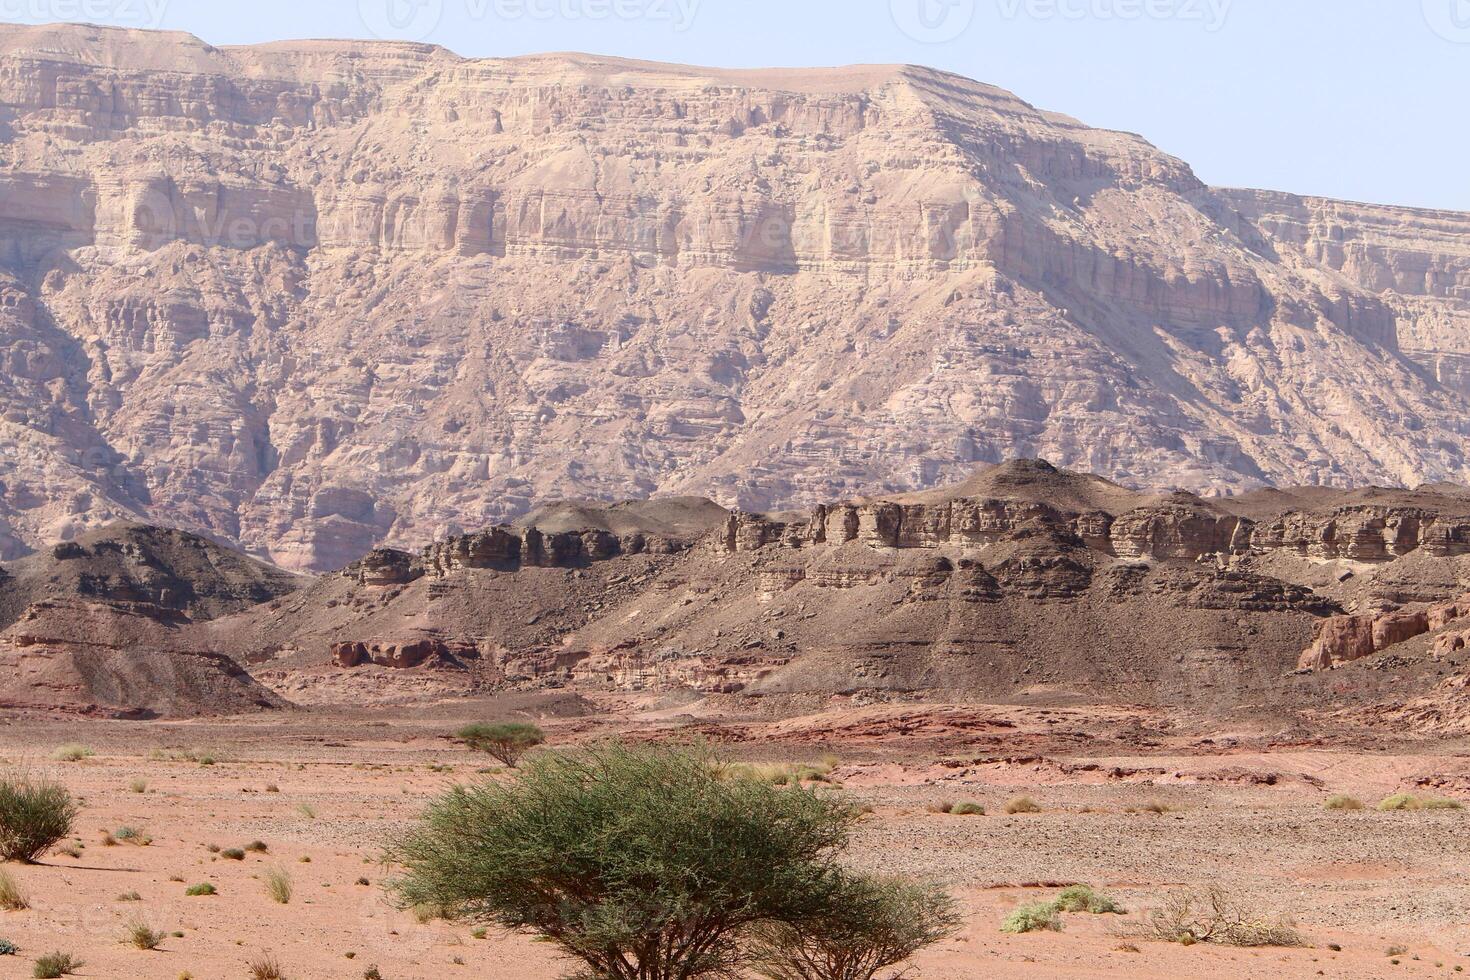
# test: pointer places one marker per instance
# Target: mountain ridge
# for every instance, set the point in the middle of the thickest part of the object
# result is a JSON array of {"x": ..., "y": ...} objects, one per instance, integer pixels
[{"x": 420, "y": 293}]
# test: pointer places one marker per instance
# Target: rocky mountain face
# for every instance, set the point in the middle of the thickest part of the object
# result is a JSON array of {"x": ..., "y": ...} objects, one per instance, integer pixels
[
  {"x": 314, "y": 298},
  {"x": 1008, "y": 586}
]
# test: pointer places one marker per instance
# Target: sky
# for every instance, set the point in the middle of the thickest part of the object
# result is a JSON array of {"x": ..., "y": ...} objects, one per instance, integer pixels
[{"x": 1367, "y": 100}]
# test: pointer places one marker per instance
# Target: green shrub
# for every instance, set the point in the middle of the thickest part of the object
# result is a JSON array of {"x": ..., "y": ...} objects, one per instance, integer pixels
[
  {"x": 8, "y": 948},
  {"x": 1036, "y": 917},
  {"x": 506, "y": 741},
  {"x": 201, "y": 889},
  {"x": 54, "y": 965},
  {"x": 72, "y": 753},
  {"x": 637, "y": 860},
  {"x": 967, "y": 810},
  {"x": 34, "y": 815},
  {"x": 1343, "y": 802},
  {"x": 870, "y": 924},
  {"x": 1081, "y": 898}
]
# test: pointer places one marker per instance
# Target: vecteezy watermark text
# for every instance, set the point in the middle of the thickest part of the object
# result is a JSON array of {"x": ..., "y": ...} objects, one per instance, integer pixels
[
  {"x": 1450, "y": 19},
  {"x": 415, "y": 20},
  {"x": 120, "y": 13},
  {"x": 1210, "y": 13}
]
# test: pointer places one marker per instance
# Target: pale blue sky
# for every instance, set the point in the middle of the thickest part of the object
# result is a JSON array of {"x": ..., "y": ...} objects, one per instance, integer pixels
[{"x": 1362, "y": 99}]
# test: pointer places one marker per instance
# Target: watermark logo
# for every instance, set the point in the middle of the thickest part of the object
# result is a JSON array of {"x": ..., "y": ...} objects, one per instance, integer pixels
[
  {"x": 415, "y": 20},
  {"x": 1211, "y": 14},
  {"x": 1450, "y": 19},
  {"x": 147, "y": 14},
  {"x": 401, "y": 20},
  {"x": 933, "y": 21}
]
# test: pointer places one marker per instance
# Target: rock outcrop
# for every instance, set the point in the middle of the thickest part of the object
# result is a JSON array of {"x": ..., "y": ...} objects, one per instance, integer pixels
[{"x": 315, "y": 298}]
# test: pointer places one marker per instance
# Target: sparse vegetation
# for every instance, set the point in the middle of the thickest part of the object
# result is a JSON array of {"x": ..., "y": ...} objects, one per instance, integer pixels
[
  {"x": 870, "y": 925},
  {"x": 54, "y": 965},
  {"x": 968, "y": 810},
  {"x": 944, "y": 806},
  {"x": 306, "y": 810},
  {"x": 781, "y": 773},
  {"x": 129, "y": 897},
  {"x": 639, "y": 861},
  {"x": 34, "y": 815},
  {"x": 278, "y": 885},
  {"x": 140, "y": 935},
  {"x": 505, "y": 741},
  {"x": 137, "y": 786},
  {"x": 1408, "y": 801},
  {"x": 232, "y": 854},
  {"x": 1213, "y": 915},
  {"x": 257, "y": 847},
  {"x": 1082, "y": 898},
  {"x": 1153, "y": 806},
  {"x": 1343, "y": 802},
  {"x": 1022, "y": 804},
  {"x": 12, "y": 898},
  {"x": 132, "y": 835},
  {"x": 72, "y": 753},
  {"x": 201, "y": 889},
  {"x": 265, "y": 968},
  {"x": 1035, "y": 917},
  {"x": 8, "y": 948}
]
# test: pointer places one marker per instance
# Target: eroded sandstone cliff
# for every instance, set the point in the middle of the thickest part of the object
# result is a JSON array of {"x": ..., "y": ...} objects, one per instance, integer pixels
[{"x": 317, "y": 297}]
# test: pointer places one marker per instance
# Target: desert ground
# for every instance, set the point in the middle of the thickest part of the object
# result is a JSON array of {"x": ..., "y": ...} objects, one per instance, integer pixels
[{"x": 1374, "y": 893}]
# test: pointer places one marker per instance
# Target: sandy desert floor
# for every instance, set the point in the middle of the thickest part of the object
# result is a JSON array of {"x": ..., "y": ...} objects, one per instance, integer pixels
[{"x": 322, "y": 793}]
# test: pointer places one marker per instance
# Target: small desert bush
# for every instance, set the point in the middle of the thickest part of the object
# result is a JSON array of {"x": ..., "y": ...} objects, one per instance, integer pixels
[
  {"x": 8, "y": 948},
  {"x": 1036, "y": 917},
  {"x": 141, "y": 935},
  {"x": 129, "y": 897},
  {"x": 968, "y": 810},
  {"x": 132, "y": 835},
  {"x": 54, "y": 965},
  {"x": 1343, "y": 802},
  {"x": 72, "y": 753},
  {"x": 306, "y": 810},
  {"x": 944, "y": 806},
  {"x": 137, "y": 786},
  {"x": 201, "y": 889},
  {"x": 257, "y": 847},
  {"x": 782, "y": 773},
  {"x": 1408, "y": 801},
  {"x": 34, "y": 815},
  {"x": 506, "y": 741},
  {"x": 1213, "y": 915},
  {"x": 1022, "y": 804},
  {"x": 870, "y": 925},
  {"x": 1082, "y": 898},
  {"x": 278, "y": 885},
  {"x": 1152, "y": 806},
  {"x": 12, "y": 899},
  {"x": 232, "y": 854},
  {"x": 265, "y": 968}
]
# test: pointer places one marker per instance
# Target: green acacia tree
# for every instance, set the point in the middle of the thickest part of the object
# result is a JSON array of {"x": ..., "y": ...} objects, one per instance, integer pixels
[
  {"x": 872, "y": 925},
  {"x": 506, "y": 741},
  {"x": 641, "y": 862}
]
